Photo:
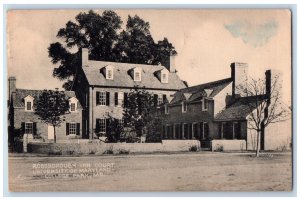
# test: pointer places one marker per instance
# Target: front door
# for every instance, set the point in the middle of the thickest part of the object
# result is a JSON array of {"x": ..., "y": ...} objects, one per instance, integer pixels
[{"x": 50, "y": 132}]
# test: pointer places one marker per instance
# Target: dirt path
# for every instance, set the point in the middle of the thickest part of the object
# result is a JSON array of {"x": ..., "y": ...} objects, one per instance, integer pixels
[{"x": 176, "y": 172}]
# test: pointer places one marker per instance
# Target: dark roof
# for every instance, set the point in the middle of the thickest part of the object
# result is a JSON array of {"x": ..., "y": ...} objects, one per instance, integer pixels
[
  {"x": 198, "y": 91},
  {"x": 22, "y": 93},
  {"x": 123, "y": 79},
  {"x": 239, "y": 109}
]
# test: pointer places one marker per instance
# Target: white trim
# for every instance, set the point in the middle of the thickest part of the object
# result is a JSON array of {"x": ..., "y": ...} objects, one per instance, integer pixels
[
  {"x": 182, "y": 107},
  {"x": 203, "y": 103}
]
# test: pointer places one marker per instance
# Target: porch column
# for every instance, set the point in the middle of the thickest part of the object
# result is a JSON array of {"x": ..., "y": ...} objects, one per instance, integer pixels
[
  {"x": 233, "y": 130},
  {"x": 193, "y": 134},
  {"x": 222, "y": 130},
  {"x": 174, "y": 129}
]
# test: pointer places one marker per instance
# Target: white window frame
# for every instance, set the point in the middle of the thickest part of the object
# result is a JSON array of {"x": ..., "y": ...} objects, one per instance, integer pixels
[
  {"x": 72, "y": 128},
  {"x": 102, "y": 98},
  {"x": 160, "y": 99},
  {"x": 28, "y": 99},
  {"x": 137, "y": 71},
  {"x": 120, "y": 99},
  {"x": 26, "y": 127},
  {"x": 184, "y": 107},
  {"x": 164, "y": 79},
  {"x": 203, "y": 104},
  {"x": 74, "y": 101},
  {"x": 110, "y": 74}
]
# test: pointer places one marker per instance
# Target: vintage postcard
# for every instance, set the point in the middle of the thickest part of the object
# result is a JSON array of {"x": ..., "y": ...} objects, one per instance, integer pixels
[{"x": 135, "y": 100}]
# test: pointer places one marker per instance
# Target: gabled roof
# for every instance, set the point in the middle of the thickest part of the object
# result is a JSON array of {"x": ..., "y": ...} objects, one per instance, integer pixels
[
  {"x": 123, "y": 79},
  {"x": 22, "y": 93},
  {"x": 200, "y": 91},
  {"x": 239, "y": 109}
]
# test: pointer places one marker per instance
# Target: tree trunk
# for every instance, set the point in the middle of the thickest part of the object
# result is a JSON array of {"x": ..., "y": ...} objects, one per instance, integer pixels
[
  {"x": 258, "y": 144},
  {"x": 54, "y": 134}
]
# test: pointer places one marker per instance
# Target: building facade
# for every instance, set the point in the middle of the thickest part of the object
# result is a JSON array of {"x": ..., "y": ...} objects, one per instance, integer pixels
[
  {"x": 219, "y": 111},
  {"x": 102, "y": 87},
  {"x": 22, "y": 119}
]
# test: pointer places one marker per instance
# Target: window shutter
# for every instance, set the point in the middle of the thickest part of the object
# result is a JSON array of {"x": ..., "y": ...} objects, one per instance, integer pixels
[
  {"x": 78, "y": 129},
  {"x": 125, "y": 99},
  {"x": 67, "y": 128},
  {"x": 23, "y": 127},
  {"x": 116, "y": 98},
  {"x": 155, "y": 99},
  {"x": 97, "y": 97},
  {"x": 34, "y": 128},
  {"x": 107, "y": 98},
  {"x": 97, "y": 126},
  {"x": 106, "y": 125},
  {"x": 165, "y": 98}
]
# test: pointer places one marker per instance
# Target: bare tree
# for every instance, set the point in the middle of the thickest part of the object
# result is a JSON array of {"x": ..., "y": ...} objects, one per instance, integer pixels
[{"x": 264, "y": 103}]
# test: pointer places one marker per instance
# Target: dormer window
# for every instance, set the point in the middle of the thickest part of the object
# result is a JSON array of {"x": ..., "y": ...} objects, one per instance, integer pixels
[
  {"x": 163, "y": 75},
  {"x": 28, "y": 103},
  {"x": 73, "y": 104},
  {"x": 164, "y": 78},
  {"x": 108, "y": 72},
  {"x": 184, "y": 107},
  {"x": 204, "y": 104},
  {"x": 137, "y": 74}
]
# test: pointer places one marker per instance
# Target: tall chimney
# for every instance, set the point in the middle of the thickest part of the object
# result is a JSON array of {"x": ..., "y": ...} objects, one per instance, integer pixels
[
  {"x": 170, "y": 63},
  {"x": 11, "y": 86},
  {"x": 84, "y": 57},
  {"x": 268, "y": 86},
  {"x": 239, "y": 76}
]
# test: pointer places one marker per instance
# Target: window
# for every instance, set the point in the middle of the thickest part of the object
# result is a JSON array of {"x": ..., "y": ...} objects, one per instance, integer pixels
[
  {"x": 160, "y": 99},
  {"x": 28, "y": 100},
  {"x": 29, "y": 128},
  {"x": 101, "y": 125},
  {"x": 73, "y": 108},
  {"x": 164, "y": 78},
  {"x": 204, "y": 104},
  {"x": 109, "y": 74},
  {"x": 137, "y": 76},
  {"x": 28, "y": 106},
  {"x": 101, "y": 99},
  {"x": 121, "y": 122},
  {"x": 166, "y": 109},
  {"x": 120, "y": 98},
  {"x": 72, "y": 128},
  {"x": 184, "y": 106}
]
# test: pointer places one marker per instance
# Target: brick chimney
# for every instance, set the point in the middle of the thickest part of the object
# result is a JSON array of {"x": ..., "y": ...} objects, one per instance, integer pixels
[
  {"x": 11, "y": 87},
  {"x": 170, "y": 63},
  {"x": 268, "y": 85},
  {"x": 239, "y": 76},
  {"x": 84, "y": 57}
]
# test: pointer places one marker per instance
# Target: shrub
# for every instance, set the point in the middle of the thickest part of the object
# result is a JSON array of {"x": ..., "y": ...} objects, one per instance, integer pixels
[
  {"x": 219, "y": 148},
  {"x": 110, "y": 150},
  {"x": 55, "y": 152},
  {"x": 92, "y": 152},
  {"x": 123, "y": 151},
  {"x": 193, "y": 148}
]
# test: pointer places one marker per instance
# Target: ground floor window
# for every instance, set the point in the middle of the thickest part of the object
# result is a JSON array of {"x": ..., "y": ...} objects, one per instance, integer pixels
[
  {"x": 72, "y": 128},
  {"x": 101, "y": 126},
  {"x": 230, "y": 130},
  {"x": 29, "y": 127}
]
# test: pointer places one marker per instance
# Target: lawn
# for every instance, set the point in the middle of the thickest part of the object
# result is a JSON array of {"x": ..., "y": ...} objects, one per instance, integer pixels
[{"x": 201, "y": 171}]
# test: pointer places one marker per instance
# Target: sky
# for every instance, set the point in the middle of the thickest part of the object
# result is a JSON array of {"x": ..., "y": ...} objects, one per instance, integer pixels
[{"x": 207, "y": 41}]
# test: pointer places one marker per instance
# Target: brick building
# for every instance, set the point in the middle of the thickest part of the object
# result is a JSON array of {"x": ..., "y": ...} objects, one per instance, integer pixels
[
  {"x": 101, "y": 88},
  {"x": 22, "y": 118},
  {"x": 218, "y": 111}
]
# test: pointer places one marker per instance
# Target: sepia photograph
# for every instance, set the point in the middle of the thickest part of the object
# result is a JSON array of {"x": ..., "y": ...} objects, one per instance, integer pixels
[{"x": 149, "y": 100}]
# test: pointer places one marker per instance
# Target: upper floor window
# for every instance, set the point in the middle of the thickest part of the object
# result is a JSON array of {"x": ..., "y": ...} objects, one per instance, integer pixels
[
  {"x": 28, "y": 103},
  {"x": 119, "y": 99},
  {"x": 108, "y": 72},
  {"x": 184, "y": 106},
  {"x": 164, "y": 78},
  {"x": 73, "y": 104},
  {"x": 204, "y": 104},
  {"x": 102, "y": 98}
]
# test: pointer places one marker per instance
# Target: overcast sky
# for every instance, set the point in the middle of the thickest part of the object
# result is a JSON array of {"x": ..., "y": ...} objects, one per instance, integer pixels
[{"x": 207, "y": 41}]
